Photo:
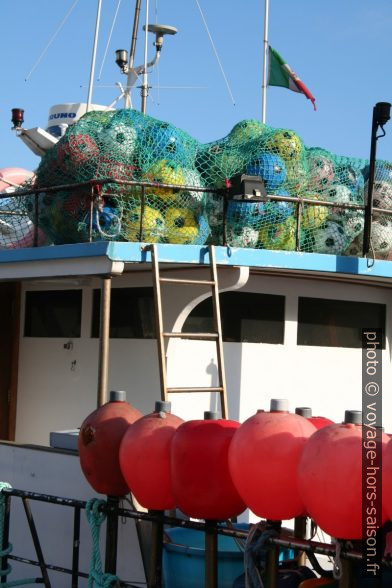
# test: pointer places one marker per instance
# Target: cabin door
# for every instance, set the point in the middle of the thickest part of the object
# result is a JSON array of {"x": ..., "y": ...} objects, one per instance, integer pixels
[{"x": 9, "y": 346}]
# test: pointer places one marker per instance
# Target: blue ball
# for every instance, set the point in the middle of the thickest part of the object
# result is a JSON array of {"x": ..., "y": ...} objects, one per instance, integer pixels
[
  {"x": 105, "y": 221},
  {"x": 245, "y": 214},
  {"x": 164, "y": 141},
  {"x": 270, "y": 168},
  {"x": 204, "y": 230},
  {"x": 279, "y": 211}
]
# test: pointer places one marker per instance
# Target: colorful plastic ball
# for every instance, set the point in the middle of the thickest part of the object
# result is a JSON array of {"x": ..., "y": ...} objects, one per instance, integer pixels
[
  {"x": 214, "y": 209},
  {"x": 381, "y": 237},
  {"x": 119, "y": 140},
  {"x": 341, "y": 195},
  {"x": 382, "y": 195},
  {"x": 279, "y": 235},
  {"x": 279, "y": 211},
  {"x": 352, "y": 178},
  {"x": 221, "y": 166},
  {"x": 192, "y": 178},
  {"x": 313, "y": 216},
  {"x": 296, "y": 177},
  {"x": 181, "y": 226},
  {"x": 77, "y": 150},
  {"x": 164, "y": 141},
  {"x": 321, "y": 171},
  {"x": 241, "y": 213},
  {"x": 287, "y": 144},
  {"x": 164, "y": 172},
  {"x": 354, "y": 225},
  {"x": 382, "y": 172},
  {"x": 153, "y": 225},
  {"x": 330, "y": 238},
  {"x": 242, "y": 236},
  {"x": 246, "y": 130},
  {"x": 270, "y": 168}
]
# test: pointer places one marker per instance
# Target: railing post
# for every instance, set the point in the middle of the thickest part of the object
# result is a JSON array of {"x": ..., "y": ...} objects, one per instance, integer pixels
[
  {"x": 211, "y": 555},
  {"x": 111, "y": 535},
  {"x": 155, "y": 569},
  {"x": 6, "y": 529}
]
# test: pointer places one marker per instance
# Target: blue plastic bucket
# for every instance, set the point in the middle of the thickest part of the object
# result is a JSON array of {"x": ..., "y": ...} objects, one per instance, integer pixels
[{"x": 183, "y": 559}]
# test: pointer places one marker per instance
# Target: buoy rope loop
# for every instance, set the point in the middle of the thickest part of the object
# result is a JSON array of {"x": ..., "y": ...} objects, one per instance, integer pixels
[
  {"x": 257, "y": 547},
  {"x": 96, "y": 514},
  {"x": 7, "y": 550},
  {"x": 337, "y": 563}
]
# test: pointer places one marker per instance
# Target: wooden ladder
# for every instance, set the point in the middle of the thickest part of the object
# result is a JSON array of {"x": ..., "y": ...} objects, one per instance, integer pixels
[{"x": 163, "y": 335}]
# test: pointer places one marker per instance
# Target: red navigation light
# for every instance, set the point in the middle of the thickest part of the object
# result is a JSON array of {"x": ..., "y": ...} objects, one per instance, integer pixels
[{"x": 17, "y": 117}]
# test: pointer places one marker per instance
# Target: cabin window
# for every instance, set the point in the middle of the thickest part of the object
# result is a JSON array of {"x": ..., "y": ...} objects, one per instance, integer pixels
[
  {"x": 246, "y": 317},
  {"x": 337, "y": 323},
  {"x": 53, "y": 313},
  {"x": 131, "y": 313}
]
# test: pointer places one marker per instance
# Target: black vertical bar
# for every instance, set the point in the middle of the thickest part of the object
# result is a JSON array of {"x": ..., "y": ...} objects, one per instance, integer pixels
[
  {"x": 300, "y": 532},
  {"x": 36, "y": 219},
  {"x": 155, "y": 571},
  {"x": 37, "y": 545},
  {"x": 298, "y": 226},
  {"x": 142, "y": 206},
  {"x": 272, "y": 567},
  {"x": 369, "y": 202},
  {"x": 90, "y": 228},
  {"x": 211, "y": 555},
  {"x": 111, "y": 534},
  {"x": 75, "y": 548},
  {"x": 6, "y": 531}
]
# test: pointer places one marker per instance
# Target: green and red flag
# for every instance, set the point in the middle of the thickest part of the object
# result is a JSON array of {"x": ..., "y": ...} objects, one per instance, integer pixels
[{"x": 281, "y": 74}]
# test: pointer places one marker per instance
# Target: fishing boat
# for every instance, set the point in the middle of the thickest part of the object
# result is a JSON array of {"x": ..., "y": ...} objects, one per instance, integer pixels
[{"x": 95, "y": 248}]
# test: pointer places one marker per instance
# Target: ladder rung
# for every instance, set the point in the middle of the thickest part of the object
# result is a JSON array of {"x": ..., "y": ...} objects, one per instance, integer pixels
[
  {"x": 201, "y": 336},
  {"x": 180, "y": 390},
  {"x": 190, "y": 282}
]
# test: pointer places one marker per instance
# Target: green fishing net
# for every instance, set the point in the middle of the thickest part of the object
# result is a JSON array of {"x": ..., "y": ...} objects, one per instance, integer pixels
[{"x": 114, "y": 148}]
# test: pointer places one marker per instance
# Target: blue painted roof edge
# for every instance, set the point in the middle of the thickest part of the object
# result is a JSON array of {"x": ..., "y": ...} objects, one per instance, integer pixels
[{"x": 198, "y": 254}]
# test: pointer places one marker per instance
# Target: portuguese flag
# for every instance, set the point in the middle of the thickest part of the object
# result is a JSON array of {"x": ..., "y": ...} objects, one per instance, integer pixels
[{"x": 281, "y": 74}]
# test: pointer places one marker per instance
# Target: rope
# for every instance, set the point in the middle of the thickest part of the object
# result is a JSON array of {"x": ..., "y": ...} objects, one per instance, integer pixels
[
  {"x": 337, "y": 564},
  {"x": 7, "y": 550},
  {"x": 95, "y": 517},
  {"x": 255, "y": 557}
]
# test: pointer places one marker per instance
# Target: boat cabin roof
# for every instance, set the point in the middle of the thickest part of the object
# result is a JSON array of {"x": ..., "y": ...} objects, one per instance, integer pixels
[{"x": 116, "y": 258}]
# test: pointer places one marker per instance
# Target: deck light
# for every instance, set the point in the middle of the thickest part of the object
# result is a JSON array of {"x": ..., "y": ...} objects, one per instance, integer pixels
[
  {"x": 122, "y": 59},
  {"x": 245, "y": 187},
  {"x": 381, "y": 115}
]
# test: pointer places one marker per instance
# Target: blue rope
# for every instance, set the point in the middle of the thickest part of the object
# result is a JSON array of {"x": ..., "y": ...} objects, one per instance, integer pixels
[
  {"x": 7, "y": 550},
  {"x": 96, "y": 515}
]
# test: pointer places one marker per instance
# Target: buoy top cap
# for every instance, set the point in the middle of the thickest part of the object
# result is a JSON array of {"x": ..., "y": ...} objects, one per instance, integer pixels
[
  {"x": 279, "y": 405},
  {"x": 162, "y": 406},
  {"x": 304, "y": 411},
  {"x": 353, "y": 417},
  {"x": 210, "y": 415},
  {"x": 117, "y": 396}
]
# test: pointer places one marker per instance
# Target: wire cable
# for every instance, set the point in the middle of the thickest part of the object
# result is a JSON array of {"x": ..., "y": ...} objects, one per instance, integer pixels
[
  {"x": 51, "y": 40},
  {"x": 109, "y": 39},
  {"x": 216, "y": 53}
]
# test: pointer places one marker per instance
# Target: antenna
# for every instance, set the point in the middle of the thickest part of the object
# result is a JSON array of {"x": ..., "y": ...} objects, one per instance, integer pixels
[{"x": 133, "y": 73}]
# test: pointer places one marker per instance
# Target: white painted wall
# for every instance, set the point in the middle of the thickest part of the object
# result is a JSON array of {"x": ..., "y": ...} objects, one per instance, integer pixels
[
  {"x": 53, "y": 396},
  {"x": 58, "y": 474}
]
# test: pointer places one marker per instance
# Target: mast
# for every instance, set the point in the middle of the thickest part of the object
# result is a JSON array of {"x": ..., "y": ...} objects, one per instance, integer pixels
[
  {"x": 265, "y": 64},
  {"x": 144, "y": 90},
  {"x": 94, "y": 55},
  {"x": 131, "y": 73}
]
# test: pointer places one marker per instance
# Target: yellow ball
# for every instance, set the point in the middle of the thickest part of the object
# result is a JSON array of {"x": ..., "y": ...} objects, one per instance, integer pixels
[
  {"x": 246, "y": 130},
  {"x": 164, "y": 172},
  {"x": 279, "y": 236},
  {"x": 287, "y": 144},
  {"x": 181, "y": 226},
  {"x": 313, "y": 216},
  {"x": 153, "y": 225}
]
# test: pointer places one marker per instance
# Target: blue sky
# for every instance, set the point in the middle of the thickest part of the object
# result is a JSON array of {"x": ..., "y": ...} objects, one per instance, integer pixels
[{"x": 340, "y": 49}]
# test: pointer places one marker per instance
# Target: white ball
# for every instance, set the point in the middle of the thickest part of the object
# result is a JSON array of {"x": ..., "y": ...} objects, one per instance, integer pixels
[
  {"x": 381, "y": 237},
  {"x": 242, "y": 237},
  {"x": 193, "y": 178},
  {"x": 119, "y": 139},
  {"x": 382, "y": 194},
  {"x": 354, "y": 225},
  {"x": 330, "y": 239},
  {"x": 341, "y": 195}
]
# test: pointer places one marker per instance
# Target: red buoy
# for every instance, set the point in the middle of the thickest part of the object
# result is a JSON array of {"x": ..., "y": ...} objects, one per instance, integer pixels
[
  {"x": 318, "y": 421},
  {"x": 145, "y": 457},
  {"x": 99, "y": 441},
  {"x": 263, "y": 459},
  {"x": 330, "y": 477},
  {"x": 201, "y": 479}
]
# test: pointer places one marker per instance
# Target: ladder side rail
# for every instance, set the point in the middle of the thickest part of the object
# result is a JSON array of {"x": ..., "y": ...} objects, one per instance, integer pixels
[{"x": 159, "y": 323}]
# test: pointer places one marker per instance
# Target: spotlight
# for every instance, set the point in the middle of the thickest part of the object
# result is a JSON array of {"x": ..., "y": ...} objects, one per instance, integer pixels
[
  {"x": 122, "y": 59},
  {"x": 17, "y": 117}
]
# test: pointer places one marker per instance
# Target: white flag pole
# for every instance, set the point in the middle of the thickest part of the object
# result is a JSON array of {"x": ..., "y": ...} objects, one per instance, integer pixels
[{"x": 265, "y": 64}]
